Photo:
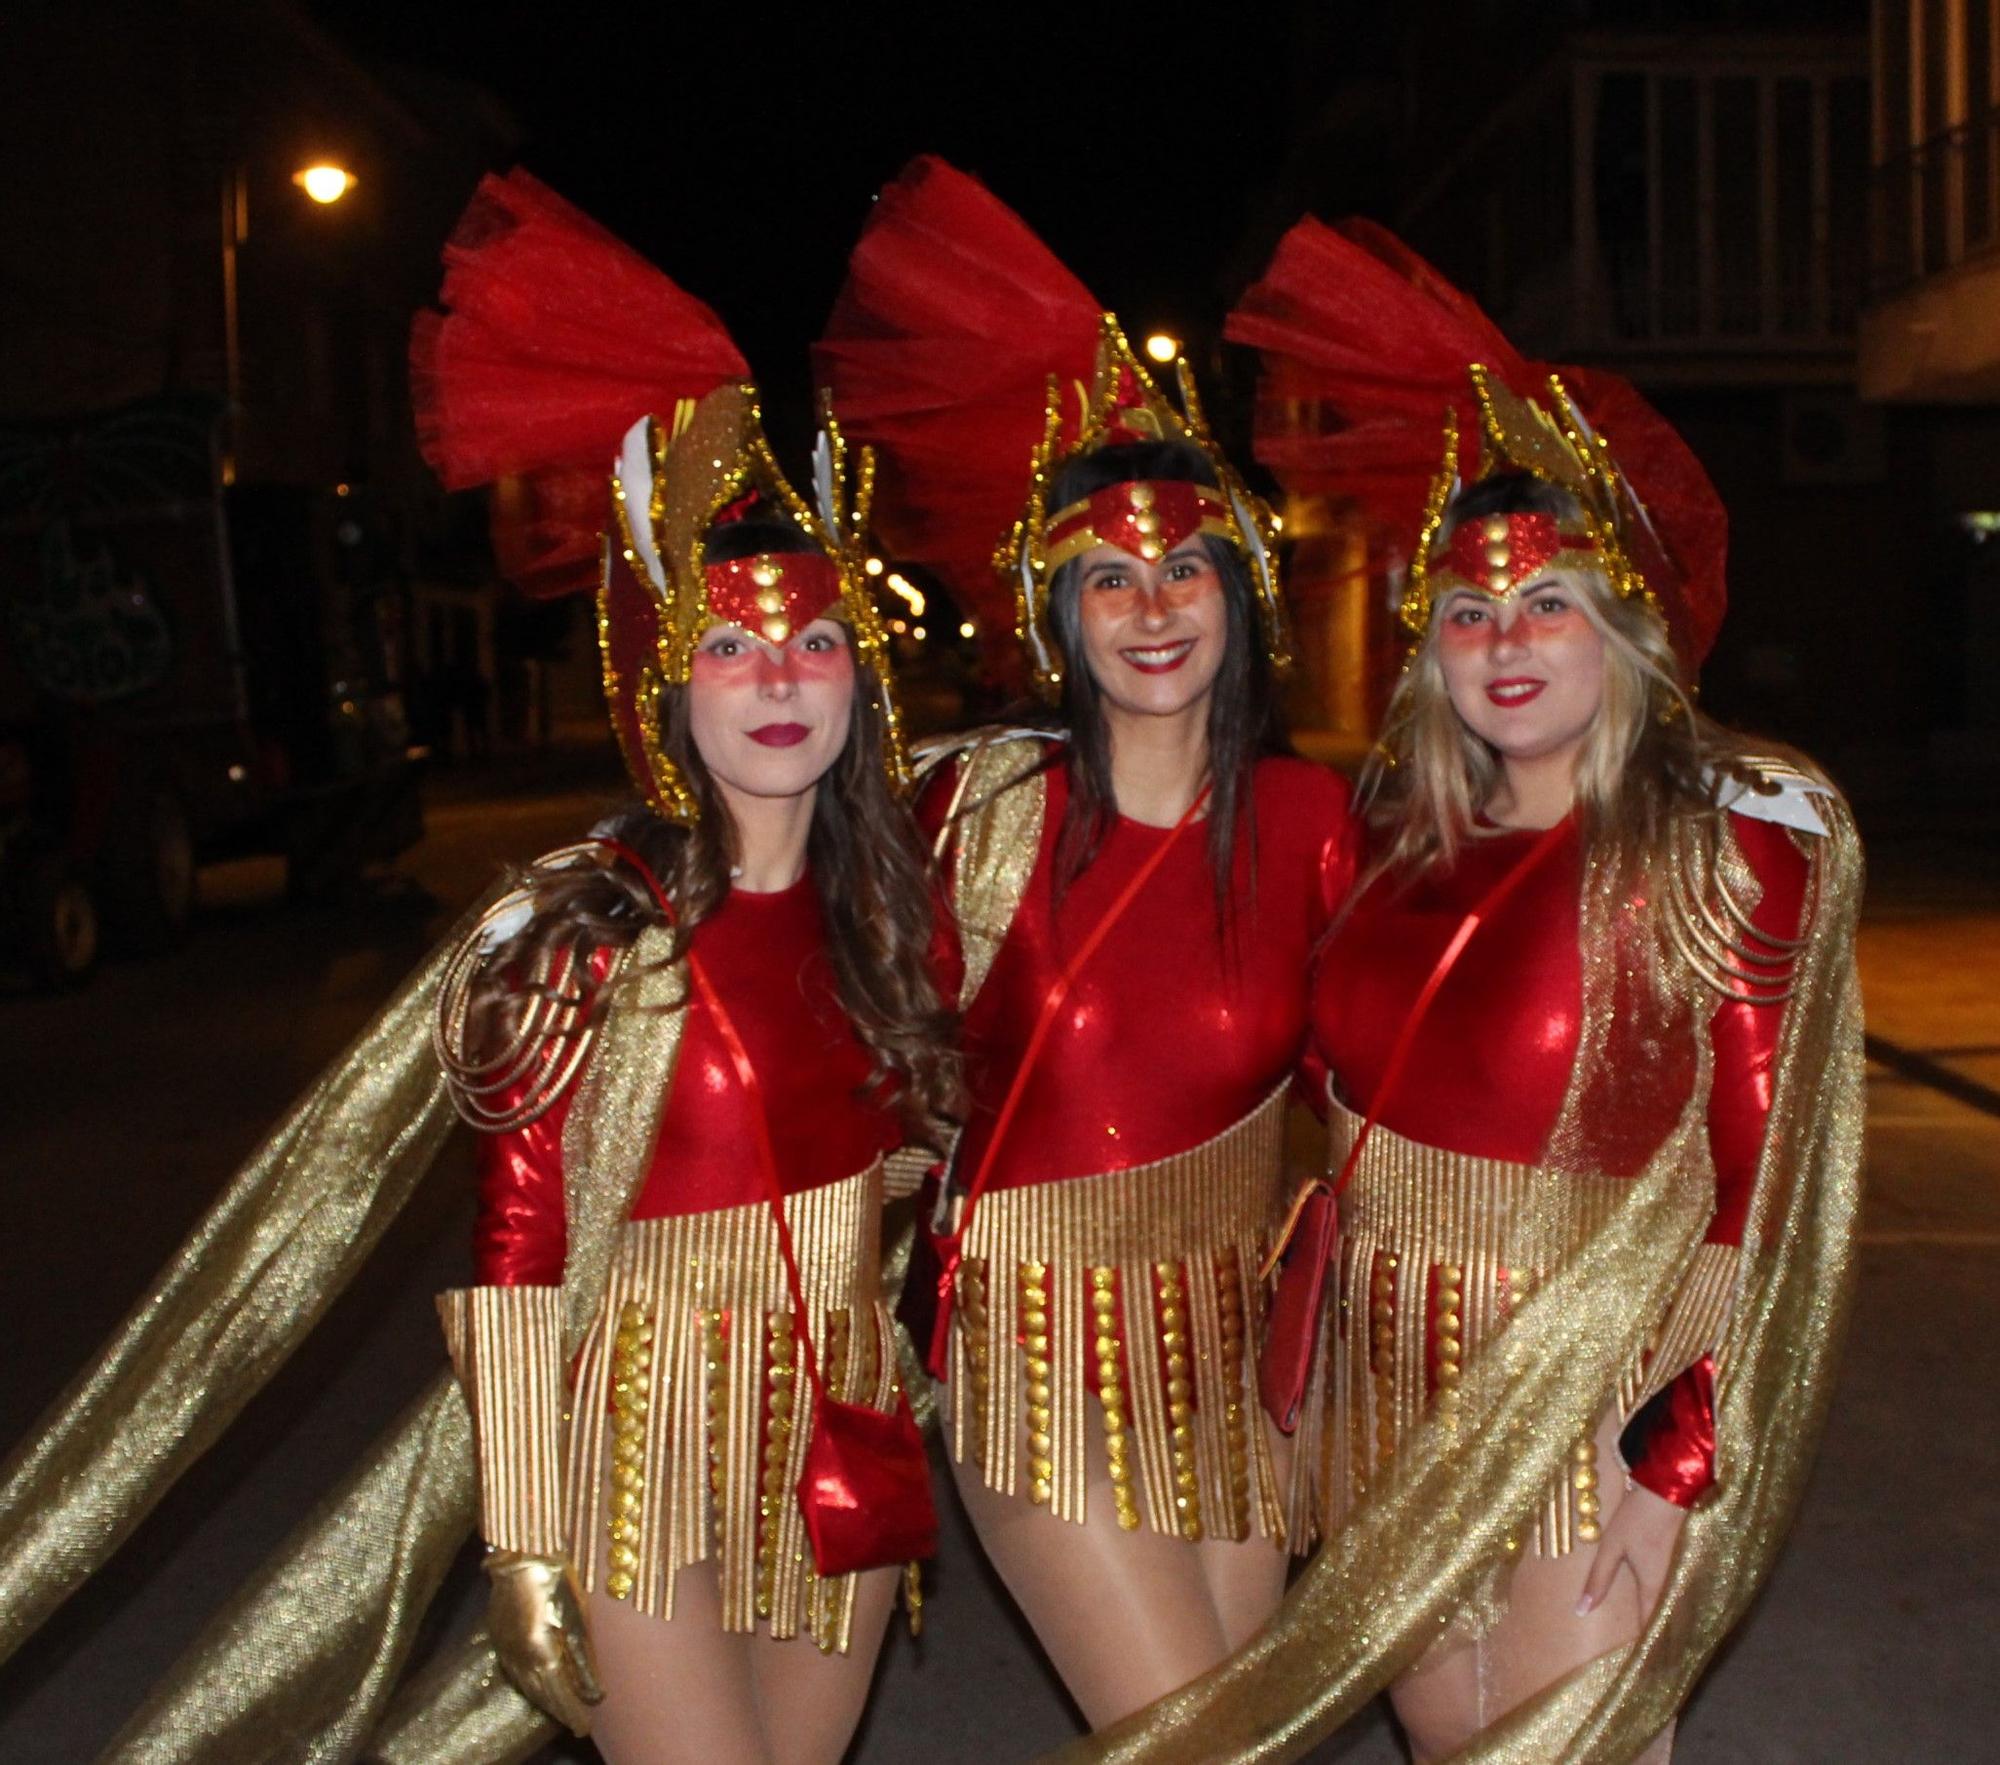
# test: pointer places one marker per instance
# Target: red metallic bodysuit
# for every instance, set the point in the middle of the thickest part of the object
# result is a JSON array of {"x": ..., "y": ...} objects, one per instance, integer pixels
[
  {"x": 1492, "y": 1059},
  {"x": 1176, "y": 1027},
  {"x": 1113, "y": 1253},
  {"x": 766, "y": 955}
]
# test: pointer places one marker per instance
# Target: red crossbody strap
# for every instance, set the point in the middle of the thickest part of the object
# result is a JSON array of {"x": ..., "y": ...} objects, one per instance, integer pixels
[
  {"x": 1399, "y": 1054},
  {"x": 1052, "y": 1002},
  {"x": 760, "y": 1124}
]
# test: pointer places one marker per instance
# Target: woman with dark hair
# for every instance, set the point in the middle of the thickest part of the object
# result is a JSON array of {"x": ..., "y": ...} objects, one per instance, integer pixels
[
  {"x": 1593, "y": 1041},
  {"x": 687, "y": 1042},
  {"x": 1139, "y": 875},
  {"x": 766, "y": 918}
]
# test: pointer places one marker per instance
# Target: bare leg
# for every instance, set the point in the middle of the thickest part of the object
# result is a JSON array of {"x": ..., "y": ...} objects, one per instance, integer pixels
[
  {"x": 1125, "y": 1616},
  {"x": 1246, "y": 1581},
  {"x": 810, "y": 1703},
  {"x": 677, "y": 1691},
  {"x": 1463, "y": 1685}
]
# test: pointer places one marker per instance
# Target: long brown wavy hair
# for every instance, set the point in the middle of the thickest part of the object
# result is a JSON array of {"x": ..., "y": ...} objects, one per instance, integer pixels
[{"x": 867, "y": 864}]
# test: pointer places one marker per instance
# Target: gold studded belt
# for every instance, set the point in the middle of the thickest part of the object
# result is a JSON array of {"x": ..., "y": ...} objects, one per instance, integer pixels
[
  {"x": 1138, "y": 1286},
  {"x": 1437, "y": 1248},
  {"x": 690, "y": 1420}
]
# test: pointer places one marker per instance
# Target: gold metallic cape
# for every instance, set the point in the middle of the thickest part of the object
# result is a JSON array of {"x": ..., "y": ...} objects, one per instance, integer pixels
[
  {"x": 302, "y": 1661},
  {"x": 1430, "y": 1542}
]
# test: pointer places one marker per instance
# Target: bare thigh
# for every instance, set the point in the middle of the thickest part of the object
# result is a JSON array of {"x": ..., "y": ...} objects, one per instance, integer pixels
[
  {"x": 810, "y": 1704},
  {"x": 679, "y": 1690},
  {"x": 1125, "y": 1617},
  {"x": 1462, "y": 1685}
]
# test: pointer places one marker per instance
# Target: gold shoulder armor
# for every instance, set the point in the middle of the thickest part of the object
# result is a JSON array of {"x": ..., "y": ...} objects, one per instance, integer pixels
[
  {"x": 1712, "y": 892},
  {"x": 507, "y": 1063}
]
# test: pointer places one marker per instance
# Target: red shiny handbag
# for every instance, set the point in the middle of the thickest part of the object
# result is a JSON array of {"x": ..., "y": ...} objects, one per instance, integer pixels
[
  {"x": 865, "y": 1493},
  {"x": 1310, "y": 1241},
  {"x": 1309, "y": 1238}
]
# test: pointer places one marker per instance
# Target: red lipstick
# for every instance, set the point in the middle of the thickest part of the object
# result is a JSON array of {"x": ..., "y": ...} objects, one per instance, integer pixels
[
  {"x": 1514, "y": 691},
  {"x": 780, "y": 735}
]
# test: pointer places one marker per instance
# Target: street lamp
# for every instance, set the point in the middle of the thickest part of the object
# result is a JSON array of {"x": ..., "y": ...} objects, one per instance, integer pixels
[
  {"x": 1162, "y": 347},
  {"x": 324, "y": 183}
]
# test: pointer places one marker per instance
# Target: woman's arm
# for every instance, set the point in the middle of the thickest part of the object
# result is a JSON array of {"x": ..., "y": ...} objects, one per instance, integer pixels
[{"x": 1670, "y": 1443}]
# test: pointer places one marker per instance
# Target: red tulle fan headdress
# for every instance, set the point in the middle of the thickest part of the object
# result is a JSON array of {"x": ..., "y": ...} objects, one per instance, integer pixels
[
  {"x": 975, "y": 362},
  {"x": 1429, "y": 395},
  {"x": 600, "y": 398}
]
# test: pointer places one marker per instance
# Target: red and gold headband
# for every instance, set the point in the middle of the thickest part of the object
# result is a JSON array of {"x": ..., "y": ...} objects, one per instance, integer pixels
[
  {"x": 1494, "y": 554},
  {"x": 1146, "y": 517},
  {"x": 773, "y": 595}
]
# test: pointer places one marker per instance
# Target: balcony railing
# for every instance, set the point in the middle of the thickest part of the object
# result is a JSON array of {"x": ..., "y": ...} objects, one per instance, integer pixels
[{"x": 1937, "y": 205}]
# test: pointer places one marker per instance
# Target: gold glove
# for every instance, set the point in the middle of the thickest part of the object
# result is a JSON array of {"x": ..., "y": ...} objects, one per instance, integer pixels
[{"x": 535, "y": 1617}]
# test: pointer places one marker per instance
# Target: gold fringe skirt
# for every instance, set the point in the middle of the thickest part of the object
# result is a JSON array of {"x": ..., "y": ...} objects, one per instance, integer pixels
[
  {"x": 1140, "y": 1287},
  {"x": 691, "y": 1411},
  {"x": 1436, "y": 1250}
]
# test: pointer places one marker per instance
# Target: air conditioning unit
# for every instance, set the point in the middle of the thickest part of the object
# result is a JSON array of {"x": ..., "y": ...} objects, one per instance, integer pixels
[{"x": 1830, "y": 437}]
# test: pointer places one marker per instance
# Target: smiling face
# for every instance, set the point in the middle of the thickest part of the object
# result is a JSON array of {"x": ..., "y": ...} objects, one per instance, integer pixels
[
  {"x": 1153, "y": 634},
  {"x": 769, "y": 719},
  {"x": 1525, "y": 671}
]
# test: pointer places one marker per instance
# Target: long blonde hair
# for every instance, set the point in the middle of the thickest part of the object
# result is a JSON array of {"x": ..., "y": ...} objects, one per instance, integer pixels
[{"x": 1649, "y": 758}]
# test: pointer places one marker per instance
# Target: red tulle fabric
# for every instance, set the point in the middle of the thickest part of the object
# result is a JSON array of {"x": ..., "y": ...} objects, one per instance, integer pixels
[
  {"x": 938, "y": 354},
  {"x": 557, "y": 338},
  {"x": 1352, "y": 320}
]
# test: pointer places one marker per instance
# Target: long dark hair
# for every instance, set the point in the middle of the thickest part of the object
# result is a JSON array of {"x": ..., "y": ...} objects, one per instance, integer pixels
[
  {"x": 866, "y": 861},
  {"x": 1245, "y": 717}
]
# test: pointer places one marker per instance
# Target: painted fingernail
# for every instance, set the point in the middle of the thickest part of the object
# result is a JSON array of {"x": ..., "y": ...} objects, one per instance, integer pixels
[{"x": 1584, "y": 1605}]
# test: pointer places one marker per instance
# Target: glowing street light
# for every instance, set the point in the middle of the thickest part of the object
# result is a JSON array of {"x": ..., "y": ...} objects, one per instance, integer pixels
[
  {"x": 1162, "y": 347},
  {"x": 324, "y": 183},
  {"x": 912, "y": 596},
  {"x": 968, "y": 629},
  {"x": 873, "y": 566}
]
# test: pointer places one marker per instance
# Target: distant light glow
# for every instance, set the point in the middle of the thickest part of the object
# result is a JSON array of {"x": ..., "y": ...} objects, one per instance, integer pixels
[
  {"x": 968, "y": 629},
  {"x": 899, "y": 626},
  {"x": 324, "y": 183},
  {"x": 873, "y": 566},
  {"x": 912, "y": 596},
  {"x": 918, "y": 632},
  {"x": 1162, "y": 347}
]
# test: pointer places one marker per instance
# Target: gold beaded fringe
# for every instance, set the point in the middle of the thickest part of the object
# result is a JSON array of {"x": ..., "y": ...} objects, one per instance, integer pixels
[
  {"x": 1437, "y": 1249},
  {"x": 1135, "y": 1278},
  {"x": 689, "y": 1384}
]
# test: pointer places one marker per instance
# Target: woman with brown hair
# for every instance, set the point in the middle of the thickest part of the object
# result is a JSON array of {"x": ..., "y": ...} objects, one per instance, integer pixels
[
  {"x": 648, "y": 1359},
  {"x": 1139, "y": 874},
  {"x": 1593, "y": 1049}
]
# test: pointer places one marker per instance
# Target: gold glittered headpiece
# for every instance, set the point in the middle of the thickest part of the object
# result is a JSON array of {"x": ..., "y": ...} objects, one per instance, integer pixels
[
  {"x": 1123, "y": 405},
  {"x": 659, "y": 593},
  {"x": 1555, "y": 444}
]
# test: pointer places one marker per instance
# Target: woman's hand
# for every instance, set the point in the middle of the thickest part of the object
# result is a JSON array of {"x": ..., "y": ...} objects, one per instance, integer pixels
[
  {"x": 535, "y": 1617},
  {"x": 1641, "y": 1534}
]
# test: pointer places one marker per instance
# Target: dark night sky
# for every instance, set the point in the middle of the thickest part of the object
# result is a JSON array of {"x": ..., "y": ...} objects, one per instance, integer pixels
[{"x": 740, "y": 154}]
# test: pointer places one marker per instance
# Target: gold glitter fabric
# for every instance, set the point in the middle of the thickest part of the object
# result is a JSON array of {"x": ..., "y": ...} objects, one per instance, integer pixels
[
  {"x": 1145, "y": 1278},
  {"x": 303, "y": 1661},
  {"x": 1469, "y": 1480},
  {"x": 1437, "y": 1251},
  {"x": 287, "y": 1233},
  {"x": 995, "y": 820}
]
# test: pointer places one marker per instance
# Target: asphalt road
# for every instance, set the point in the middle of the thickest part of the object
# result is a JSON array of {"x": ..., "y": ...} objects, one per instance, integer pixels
[{"x": 124, "y": 1108}]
